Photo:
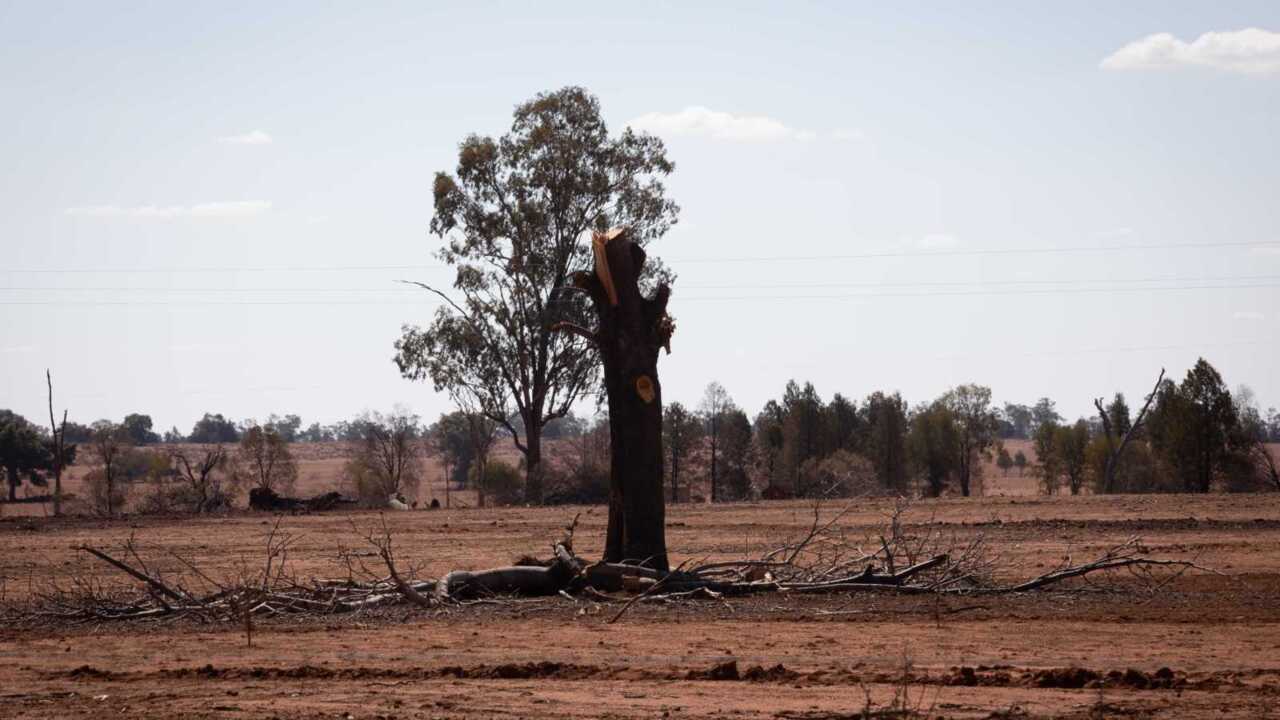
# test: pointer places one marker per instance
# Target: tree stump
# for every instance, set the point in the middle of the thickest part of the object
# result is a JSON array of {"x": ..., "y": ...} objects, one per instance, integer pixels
[{"x": 631, "y": 330}]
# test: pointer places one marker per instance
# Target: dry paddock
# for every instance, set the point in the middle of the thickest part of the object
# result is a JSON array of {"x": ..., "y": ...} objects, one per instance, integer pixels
[{"x": 1203, "y": 646}]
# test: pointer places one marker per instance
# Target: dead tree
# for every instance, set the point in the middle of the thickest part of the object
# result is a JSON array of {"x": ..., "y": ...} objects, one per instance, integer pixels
[
  {"x": 201, "y": 476},
  {"x": 1108, "y": 428},
  {"x": 630, "y": 331},
  {"x": 59, "y": 447}
]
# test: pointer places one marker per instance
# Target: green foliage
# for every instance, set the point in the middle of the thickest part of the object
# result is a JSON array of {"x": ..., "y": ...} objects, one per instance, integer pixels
[
  {"x": 736, "y": 454},
  {"x": 287, "y": 426},
  {"x": 1195, "y": 429},
  {"x": 934, "y": 446},
  {"x": 24, "y": 452},
  {"x": 884, "y": 422},
  {"x": 138, "y": 428},
  {"x": 214, "y": 429},
  {"x": 514, "y": 215},
  {"x": 1020, "y": 461},
  {"x": 681, "y": 431},
  {"x": 1071, "y": 442},
  {"x": 1004, "y": 461},
  {"x": 978, "y": 430},
  {"x": 264, "y": 461},
  {"x": 502, "y": 483}
]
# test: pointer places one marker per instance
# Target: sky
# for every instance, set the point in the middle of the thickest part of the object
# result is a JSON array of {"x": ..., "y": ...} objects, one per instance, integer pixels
[{"x": 205, "y": 207}]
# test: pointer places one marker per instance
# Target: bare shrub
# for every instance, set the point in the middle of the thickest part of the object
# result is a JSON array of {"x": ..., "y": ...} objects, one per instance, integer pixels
[
  {"x": 388, "y": 460},
  {"x": 105, "y": 495},
  {"x": 840, "y": 474}
]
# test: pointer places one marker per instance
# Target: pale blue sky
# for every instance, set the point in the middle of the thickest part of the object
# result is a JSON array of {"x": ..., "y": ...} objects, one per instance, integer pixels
[{"x": 281, "y": 139}]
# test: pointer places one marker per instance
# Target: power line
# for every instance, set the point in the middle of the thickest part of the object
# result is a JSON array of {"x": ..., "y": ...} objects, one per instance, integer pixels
[
  {"x": 735, "y": 298},
  {"x": 682, "y": 286},
  {"x": 678, "y": 259}
]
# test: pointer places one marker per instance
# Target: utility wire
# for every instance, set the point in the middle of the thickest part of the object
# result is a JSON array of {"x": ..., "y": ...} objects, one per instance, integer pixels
[
  {"x": 678, "y": 259},
  {"x": 682, "y": 286},
  {"x": 702, "y": 298}
]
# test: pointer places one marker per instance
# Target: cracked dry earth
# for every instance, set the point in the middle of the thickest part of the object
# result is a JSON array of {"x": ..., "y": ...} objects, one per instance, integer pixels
[{"x": 1204, "y": 646}]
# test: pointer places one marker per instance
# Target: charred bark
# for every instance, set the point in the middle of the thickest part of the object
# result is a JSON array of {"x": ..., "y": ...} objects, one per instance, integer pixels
[{"x": 631, "y": 330}]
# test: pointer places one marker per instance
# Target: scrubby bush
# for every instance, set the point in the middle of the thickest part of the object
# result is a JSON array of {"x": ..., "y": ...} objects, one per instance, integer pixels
[
  {"x": 840, "y": 474},
  {"x": 502, "y": 483}
]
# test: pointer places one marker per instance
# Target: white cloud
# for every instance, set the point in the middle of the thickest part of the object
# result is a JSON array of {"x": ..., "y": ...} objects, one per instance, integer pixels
[
  {"x": 15, "y": 349},
  {"x": 701, "y": 121},
  {"x": 238, "y": 209},
  {"x": 1251, "y": 50},
  {"x": 1249, "y": 315},
  {"x": 253, "y": 137}
]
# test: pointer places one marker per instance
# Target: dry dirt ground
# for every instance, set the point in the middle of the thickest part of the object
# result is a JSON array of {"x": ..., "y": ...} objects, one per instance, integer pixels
[{"x": 1203, "y": 646}]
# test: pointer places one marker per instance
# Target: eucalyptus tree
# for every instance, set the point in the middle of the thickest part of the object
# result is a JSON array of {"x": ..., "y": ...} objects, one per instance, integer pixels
[{"x": 514, "y": 219}]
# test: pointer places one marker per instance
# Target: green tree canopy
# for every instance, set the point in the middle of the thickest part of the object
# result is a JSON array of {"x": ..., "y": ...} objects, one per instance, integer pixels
[{"x": 514, "y": 217}]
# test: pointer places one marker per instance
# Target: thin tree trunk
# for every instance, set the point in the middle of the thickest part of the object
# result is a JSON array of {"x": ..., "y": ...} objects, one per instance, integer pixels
[{"x": 533, "y": 463}]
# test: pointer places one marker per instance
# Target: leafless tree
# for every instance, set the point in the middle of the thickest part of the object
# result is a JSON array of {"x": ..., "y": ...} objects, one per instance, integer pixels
[
  {"x": 108, "y": 445},
  {"x": 1117, "y": 444},
  {"x": 388, "y": 458},
  {"x": 203, "y": 476},
  {"x": 59, "y": 433}
]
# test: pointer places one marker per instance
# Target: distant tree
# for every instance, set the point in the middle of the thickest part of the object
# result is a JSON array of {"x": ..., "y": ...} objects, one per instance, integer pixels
[
  {"x": 841, "y": 425},
  {"x": 681, "y": 431},
  {"x": 109, "y": 446},
  {"x": 1194, "y": 427},
  {"x": 173, "y": 436},
  {"x": 1118, "y": 415},
  {"x": 264, "y": 461},
  {"x": 1020, "y": 462},
  {"x": 1004, "y": 461},
  {"x": 387, "y": 460},
  {"x": 23, "y": 452},
  {"x": 1044, "y": 412},
  {"x": 138, "y": 428},
  {"x": 1048, "y": 463},
  {"x": 287, "y": 426},
  {"x": 1017, "y": 420},
  {"x": 315, "y": 433},
  {"x": 515, "y": 215},
  {"x": 214, "y": 429},
  {"x": 884, "y": 426},
  {"x": 77, "y": 433},
  {"x": 481, "y": 433},
  {"x": 737, "y": 450},
  {"x": 715, "y": 401},
  {"x": 1257, "y": 468},
  {"x": 977, "y": 427},
  {"x": 1118, "y": 430},
  {"x": 801, "y": 429},
  {"x": 934, "y": 446},
  {"x": 204, "y": 473},
  {"x": 770, "y": 439},
  {"x": 450, "y": 437},
  {"x": 1071, "y": 442}
]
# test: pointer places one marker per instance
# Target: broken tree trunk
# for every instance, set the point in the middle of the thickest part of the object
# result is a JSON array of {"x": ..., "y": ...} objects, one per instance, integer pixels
[{"x": 631, "y": 330}]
